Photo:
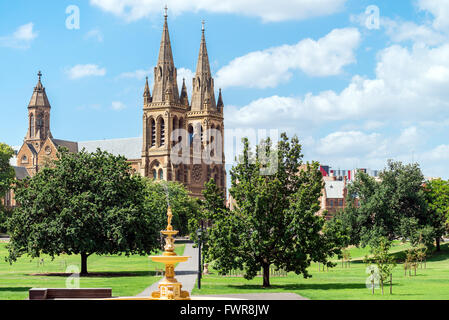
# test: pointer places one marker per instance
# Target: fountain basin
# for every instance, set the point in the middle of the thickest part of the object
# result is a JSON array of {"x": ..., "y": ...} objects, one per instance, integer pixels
[{"x": 169, "y": 259}]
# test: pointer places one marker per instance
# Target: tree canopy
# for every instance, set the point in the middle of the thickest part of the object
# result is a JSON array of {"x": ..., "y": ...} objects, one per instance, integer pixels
[
  {"x": 84, "y": 203},
  {"x": 6, "y": 171},
  {"x": 275, "y": 222},
  {"x": 396, "y": 207},
  {"x": 160, "y": 194}
]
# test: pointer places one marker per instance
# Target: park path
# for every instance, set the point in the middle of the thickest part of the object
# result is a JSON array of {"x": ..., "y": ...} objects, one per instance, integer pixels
[{"x": 186, "y": 272}]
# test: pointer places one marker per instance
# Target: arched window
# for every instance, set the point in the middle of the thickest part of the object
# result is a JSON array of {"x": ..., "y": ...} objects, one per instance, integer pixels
[
  {"x": 202, "y": 134},
  {"x": 191, "y": 133},
  {"x": 154, "y": 174},
  {"x": 32, "y": 125},
  {"x": 162, "y": 132},
  {"x": 153, "y": 133},
  {"x": 161, "y": 174}
]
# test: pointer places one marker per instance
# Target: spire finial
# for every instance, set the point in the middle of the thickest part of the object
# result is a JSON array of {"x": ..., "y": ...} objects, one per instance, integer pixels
[
  {"x": 39, "y": 74},
  {"x": 166, "y": 12},
  {"x": 203, "y": 23}
]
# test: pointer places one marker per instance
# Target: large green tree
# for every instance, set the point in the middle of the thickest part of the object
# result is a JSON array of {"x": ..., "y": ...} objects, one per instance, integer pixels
[
  {"x": 160, "y": 194},
  {"x": 84, "y": 203},
  {"x": 6, "y": 171},
  {"x": 394, "y": 206},
  {"x": 275, "y": 222},
  {"x": 437, "y": 196},
  {"x": 6, "y": 178}
]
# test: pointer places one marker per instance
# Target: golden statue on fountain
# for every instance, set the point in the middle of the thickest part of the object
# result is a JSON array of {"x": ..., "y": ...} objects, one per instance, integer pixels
[{"x": 169, "y": 287}]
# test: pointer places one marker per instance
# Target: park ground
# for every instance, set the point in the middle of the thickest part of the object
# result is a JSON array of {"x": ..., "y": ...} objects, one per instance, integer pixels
[{"x": 128, "y": 276}]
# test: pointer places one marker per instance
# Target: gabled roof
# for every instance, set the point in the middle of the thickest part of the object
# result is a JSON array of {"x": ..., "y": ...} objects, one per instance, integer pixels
[
  {"x": 131, "y": 148},
  {"x": 72, "y": 146},
  {"x": 334, "y": 189},
  {"x": 21, "y": 173}
]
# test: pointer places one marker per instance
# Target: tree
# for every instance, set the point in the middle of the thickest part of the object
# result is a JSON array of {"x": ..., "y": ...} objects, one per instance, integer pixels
[
  {"x": 275, "y": 222},
  {"x": 160, "y": 194},
  {"x": 85, "y": 203},
  {"x": 6, "y": 178},
  {"x": 6, "y": 171},
  {"x": 437, "y": 196},
  {"x": 394, "y": 207},
  {"x": 384, "y": 261}
]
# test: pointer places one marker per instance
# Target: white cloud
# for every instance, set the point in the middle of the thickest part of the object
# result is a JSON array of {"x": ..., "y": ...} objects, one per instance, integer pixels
[
  {"x": 85, "y": 70},
  {"x": 439, "y": 9},
  {"x": 95, "y": 34},
  {"x": 188, "y": 75},
  {"x": 350, "y": 143},
  {"x": 21, "y": 38},
  {"x": 267, "y": 10},
  {"x": 117, "y": 105},
  {"x": 400, "y": 31},
  {"x": 138, "y": 74},
  {"x": 268, "y": 68}
]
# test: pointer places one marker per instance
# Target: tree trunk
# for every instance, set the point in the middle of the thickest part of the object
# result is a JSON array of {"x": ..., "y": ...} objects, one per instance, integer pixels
[
  {"x": 84, "y": 257},
  {"x": 438, "y": 244},
  {"x": 266, "y": 275}
]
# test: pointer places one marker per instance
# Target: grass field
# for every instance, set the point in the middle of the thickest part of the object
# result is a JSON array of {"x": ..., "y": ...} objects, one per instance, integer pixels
[
  {"x": 341, "y": 283},
  {"x": 127, "y": 276}
]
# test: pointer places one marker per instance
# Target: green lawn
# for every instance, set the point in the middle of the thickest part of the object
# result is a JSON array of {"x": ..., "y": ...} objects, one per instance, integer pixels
[
  {"x": 127, "y": 276},
  {"x": 346, "y": 283}
]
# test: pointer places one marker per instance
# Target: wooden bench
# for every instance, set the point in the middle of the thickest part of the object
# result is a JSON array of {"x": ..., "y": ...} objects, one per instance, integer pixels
[{"x": 50, "y": 294}]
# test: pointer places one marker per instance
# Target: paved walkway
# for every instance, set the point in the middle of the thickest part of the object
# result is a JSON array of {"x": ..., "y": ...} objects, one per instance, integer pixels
[{"x": 186, "y": 272}]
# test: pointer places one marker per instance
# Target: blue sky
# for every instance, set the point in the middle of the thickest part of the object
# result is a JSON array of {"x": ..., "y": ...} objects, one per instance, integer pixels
[{"x": 356, "y": 96}]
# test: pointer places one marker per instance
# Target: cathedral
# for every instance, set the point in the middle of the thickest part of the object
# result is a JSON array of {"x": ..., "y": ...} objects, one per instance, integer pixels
[{"x": 182, "y": 140}]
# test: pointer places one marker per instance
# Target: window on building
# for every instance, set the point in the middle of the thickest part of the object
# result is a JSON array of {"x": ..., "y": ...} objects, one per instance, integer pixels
[
  {"x": 162, "y": 132},
  {"x": 153, "y": 133},
  {"x": 32, "y": 125},
  {"x": 331, "y": 203},
  {"x": 161, "y": 174},
  {"x": 154, "y": 174}
]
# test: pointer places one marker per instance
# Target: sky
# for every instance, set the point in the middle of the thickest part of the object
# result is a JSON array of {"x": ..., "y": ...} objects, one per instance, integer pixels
[{"x": 359, "y": 82}]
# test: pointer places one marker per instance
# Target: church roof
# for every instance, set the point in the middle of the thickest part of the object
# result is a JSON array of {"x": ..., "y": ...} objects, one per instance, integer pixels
[
  {"x": 72, "y": 146},
  {"x": 130, "y": 148},
  {"x": 39, "y": 97},
  {"x": 21, "y": 173}
]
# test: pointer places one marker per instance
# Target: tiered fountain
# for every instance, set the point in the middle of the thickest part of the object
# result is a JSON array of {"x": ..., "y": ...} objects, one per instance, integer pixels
[{"x": 169, "y": 287}]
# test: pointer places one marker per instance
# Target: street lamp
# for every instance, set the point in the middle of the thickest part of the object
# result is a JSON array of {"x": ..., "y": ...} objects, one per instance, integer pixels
[{"x": 199, "y": 233}]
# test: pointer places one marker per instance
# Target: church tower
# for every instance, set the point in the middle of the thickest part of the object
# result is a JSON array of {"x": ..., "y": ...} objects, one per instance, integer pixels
[
  {"x": 201, "y": 121},
  {"x": 38, "y": 117},
  {"x": 205, "y": 123},
  {"x": 164, "y": 112}
]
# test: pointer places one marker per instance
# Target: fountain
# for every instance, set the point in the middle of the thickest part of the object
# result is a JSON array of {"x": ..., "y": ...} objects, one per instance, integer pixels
[{"x": 169, "y": 287}]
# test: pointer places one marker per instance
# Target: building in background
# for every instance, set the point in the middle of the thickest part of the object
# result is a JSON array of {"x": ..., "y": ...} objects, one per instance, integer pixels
[{"x": 164, "y": 111}]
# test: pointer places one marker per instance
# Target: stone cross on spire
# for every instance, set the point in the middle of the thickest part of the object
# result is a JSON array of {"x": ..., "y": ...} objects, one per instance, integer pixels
[
  {"x": 39, "y": 74},
  {"x": 166, "y": 12}
]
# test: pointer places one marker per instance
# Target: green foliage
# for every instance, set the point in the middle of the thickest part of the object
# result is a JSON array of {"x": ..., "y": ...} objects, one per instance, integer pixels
[
  {"x": 6, "y": 171},
  {"x": 437, "y": 197},
  {"x": 275, "y": 221},
  {"x": 383, "y": 259},
  {"x": 159, "y": 194},
  {"x": 394, "y": 207},
  {"x": 85, "y": 203}
]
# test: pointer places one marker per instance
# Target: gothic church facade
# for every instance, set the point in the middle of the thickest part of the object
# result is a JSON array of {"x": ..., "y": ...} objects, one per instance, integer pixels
[{"x": 172, "y": 125}]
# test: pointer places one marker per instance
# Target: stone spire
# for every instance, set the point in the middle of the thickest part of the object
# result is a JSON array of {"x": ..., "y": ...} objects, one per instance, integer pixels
[
  {"x": 146, "y": 93},
  {"x": 39, "y": 98},
  {"x": 220, "y": 104},
  {"x": 165, "y": 72},
  {"x": 203, "y": 96},
  {"x": 184, "y": 98}
]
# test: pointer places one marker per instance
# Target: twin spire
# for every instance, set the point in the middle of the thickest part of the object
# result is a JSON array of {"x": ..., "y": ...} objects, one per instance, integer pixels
[{"x": 165, "y": 77}]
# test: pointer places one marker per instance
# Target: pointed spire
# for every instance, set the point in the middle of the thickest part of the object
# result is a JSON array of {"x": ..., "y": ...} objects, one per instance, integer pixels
[
  {"x": 39, "y": 97},
  {"x": 146, "y": 93},
  {"x": 220, "y": 104},
  {"x": 184, "y": 98},
  {"x": 203, "y": 84},
  {"x": 165, "y": 71}
]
